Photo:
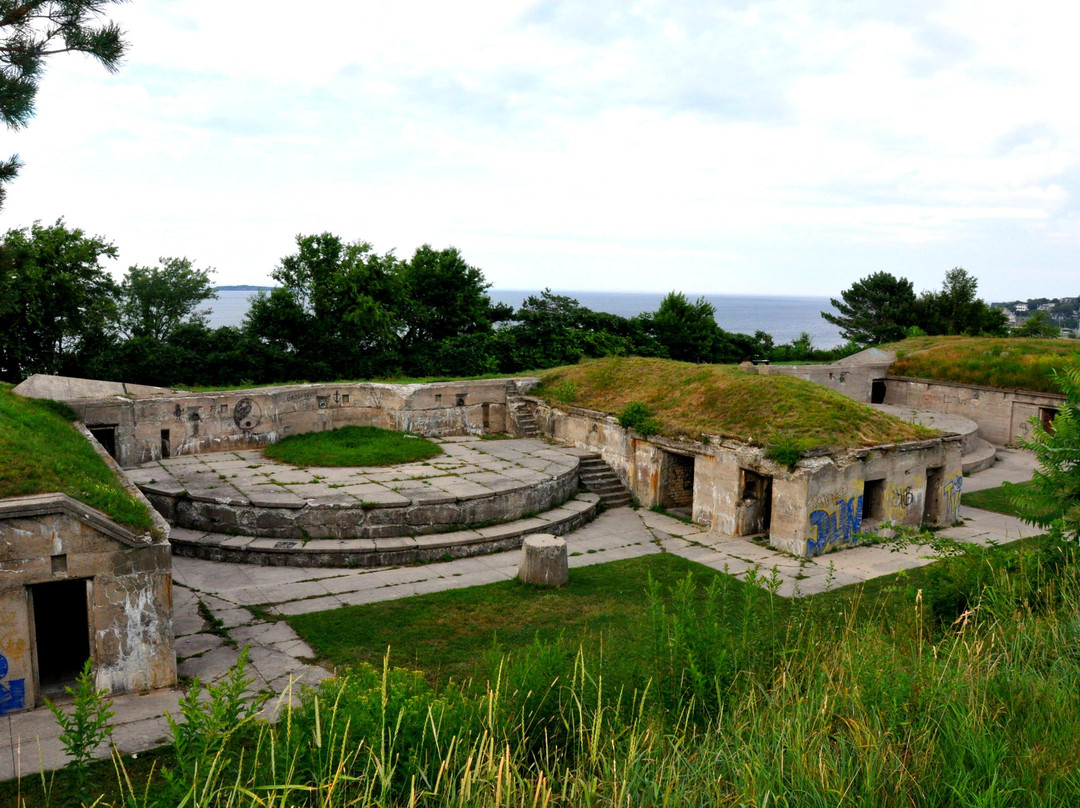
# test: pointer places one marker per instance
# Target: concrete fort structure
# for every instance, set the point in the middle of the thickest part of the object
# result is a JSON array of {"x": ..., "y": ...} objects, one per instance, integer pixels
[
  {"x": 824, "y": 502},
  {"x": 137, "y": 426},
  {"x": 77, "y": 586}
]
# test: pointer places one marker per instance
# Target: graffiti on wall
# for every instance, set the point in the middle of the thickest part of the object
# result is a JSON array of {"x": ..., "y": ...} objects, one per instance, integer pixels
[
  {"x": 12, "y": 693},
  {"x": 838, "y": 523},
  {"x": 951, "y": 496}
]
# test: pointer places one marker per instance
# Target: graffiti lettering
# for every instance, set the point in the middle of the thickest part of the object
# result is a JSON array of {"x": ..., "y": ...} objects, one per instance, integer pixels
[
  {"x": 901, "y": 497},
  {"x": 298, "y": 396},
  {"x": 951, "y": 492},
  {"x": 12, "y": 694},
  {"x": 837, "y": 524}
]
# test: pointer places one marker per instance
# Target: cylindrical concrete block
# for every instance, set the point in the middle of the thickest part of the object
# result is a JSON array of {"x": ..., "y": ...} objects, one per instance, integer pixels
[{"x": 544, "y": 561}]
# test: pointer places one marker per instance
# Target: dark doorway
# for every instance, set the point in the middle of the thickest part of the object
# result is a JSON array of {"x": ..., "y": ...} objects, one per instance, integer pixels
[
  {"x": 166, "y": 444},
  {"x": 873, "y": 502},
  {"x": 877, "y": 391},
  {"x": 677, "y": 484},
  {"x": 755, "y": 503},
  {"x": 1047, "y": 416},
  {"x": 106, "y": 436},
  {"x": 932, "y": 512},
  {"x": 62, "y": 634}
]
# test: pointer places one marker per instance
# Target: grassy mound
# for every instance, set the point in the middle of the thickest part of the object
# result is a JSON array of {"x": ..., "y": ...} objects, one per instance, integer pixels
[
  {"x": 1022, "y": 364},
  {"x": 352, "y": 446},
  {"x": 40, "y": 453},
  {"x": 695, "y": 400}
]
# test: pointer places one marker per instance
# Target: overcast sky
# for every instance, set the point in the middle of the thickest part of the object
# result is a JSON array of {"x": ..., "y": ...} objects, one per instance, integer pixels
[{"x": 710, "y": 147}]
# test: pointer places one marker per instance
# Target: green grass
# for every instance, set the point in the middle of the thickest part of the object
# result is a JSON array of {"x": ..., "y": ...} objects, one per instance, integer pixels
[
  {"x": 352, "y": 446},
  {"x": 43, "y": 453},
  {"x": 378, "y": 380},
  {"x": 954, "y": 685},
  {"x": 448, "y": 634},
  {"x": 997, "y": 499},
  {"x": 696, "y": 400},
  {"x": 1008, "y": 362}
]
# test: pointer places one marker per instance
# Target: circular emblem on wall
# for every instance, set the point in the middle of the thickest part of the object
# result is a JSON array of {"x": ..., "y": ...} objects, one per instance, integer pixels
[{"x": 247, "y": 414}]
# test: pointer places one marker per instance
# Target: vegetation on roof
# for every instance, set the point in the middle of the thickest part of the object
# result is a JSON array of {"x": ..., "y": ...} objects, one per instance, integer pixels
[
  {"x": 693, "y": 401},
  {"x": 1009, "y": 362},
  {"x": 41, "y": 452}
]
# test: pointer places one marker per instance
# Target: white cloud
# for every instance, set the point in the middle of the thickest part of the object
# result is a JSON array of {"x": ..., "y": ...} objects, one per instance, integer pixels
[{"x": 771, "y": 147}]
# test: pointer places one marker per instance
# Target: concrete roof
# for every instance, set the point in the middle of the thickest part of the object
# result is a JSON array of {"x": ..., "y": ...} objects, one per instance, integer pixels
[{"x": 66, "y": 388}]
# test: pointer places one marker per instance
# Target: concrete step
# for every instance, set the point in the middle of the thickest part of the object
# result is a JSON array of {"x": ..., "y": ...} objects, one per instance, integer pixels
[
  {"x": 981, "y": 457},
  {"x": 598, "y": 477},
  {"x": 380, "y": 552}
]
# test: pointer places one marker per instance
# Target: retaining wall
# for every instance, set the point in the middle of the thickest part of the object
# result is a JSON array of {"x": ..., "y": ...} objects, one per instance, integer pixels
[
  {"x": 150, "y": 427},
  {"x": 1002, "y": 415}
]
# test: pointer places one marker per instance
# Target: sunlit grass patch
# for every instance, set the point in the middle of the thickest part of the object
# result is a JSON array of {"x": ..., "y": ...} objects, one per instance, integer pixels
[
  {"x": 693, "y": 400},
  {"x": 40, "y": 452},
  {"x": 352, "y": 446},
  {"x": 1012, "y": 363}
]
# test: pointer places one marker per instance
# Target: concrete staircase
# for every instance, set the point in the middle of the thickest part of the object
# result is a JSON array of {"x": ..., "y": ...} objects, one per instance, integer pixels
[
  {"x": 521, "y": 413},
  {"x": 598, "y": 477}
]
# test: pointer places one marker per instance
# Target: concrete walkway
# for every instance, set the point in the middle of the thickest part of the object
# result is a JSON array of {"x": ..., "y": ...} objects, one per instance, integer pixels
[{"x": 219, "y": 608}]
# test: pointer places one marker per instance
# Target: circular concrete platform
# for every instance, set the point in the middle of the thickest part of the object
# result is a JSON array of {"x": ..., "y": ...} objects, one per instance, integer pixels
[{"x": 473, "y": 483}]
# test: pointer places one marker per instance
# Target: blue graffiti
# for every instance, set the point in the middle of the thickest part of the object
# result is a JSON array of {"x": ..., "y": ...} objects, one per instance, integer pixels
[
  {"x": 13, "y": 694},
  {"x": 837, "y": 525}
]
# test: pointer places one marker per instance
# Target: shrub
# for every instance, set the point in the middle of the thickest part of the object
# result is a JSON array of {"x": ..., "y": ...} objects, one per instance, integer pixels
[{"x": 638, "y": 417}]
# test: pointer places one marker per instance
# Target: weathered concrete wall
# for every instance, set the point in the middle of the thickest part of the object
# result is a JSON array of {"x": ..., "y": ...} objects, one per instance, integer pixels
[
  {"x": 148, "y": 428},
  {"x": 854, "y": 381},
  {"x": 436, "y": 513},
  {"x": 813, "y": 508},
  {"x": 51, "y": 537},
  {"x": 1002, "y": 415}
]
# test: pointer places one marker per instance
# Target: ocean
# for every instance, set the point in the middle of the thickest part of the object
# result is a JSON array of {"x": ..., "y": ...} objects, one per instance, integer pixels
[{"x": 785, "y": 317}]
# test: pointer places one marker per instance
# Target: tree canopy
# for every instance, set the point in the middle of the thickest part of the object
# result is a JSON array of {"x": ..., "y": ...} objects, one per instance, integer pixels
[
  {"x": 878, "y": 308},
  {"x": 56, "y": 299},
  {"x": 32, "y": 30}
]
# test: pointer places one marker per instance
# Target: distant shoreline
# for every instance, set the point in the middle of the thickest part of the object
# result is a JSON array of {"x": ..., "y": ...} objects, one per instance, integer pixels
[{"x": 243, "y": 287}]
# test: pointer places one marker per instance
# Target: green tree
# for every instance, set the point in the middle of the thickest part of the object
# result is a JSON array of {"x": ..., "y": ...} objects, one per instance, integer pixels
[
  {"x": 55, "y": 299},
  {"x": 1037, "y": 325},
  {"x": 956, "y": 309},
  {"x": 878, "y": 308},
  {"x": 155, "y": 301},
  {"x": 35, "y": 29},
  {"x": 336, "y": 313},
  {"x": 687, "y": 330},
  {"x": 1053, "y": 499}
]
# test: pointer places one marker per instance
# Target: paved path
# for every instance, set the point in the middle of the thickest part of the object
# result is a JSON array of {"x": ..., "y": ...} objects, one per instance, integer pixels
[{"x": 242, "y": 601}]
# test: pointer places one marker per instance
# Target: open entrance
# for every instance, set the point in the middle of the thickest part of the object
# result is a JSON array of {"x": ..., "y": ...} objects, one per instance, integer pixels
[
  {"x": 873, "y": 501},
  {"x": 677, "y": 484},
  {"x": 1047, "y": 416},
  {"x": 755, "y": 503},
  {"x": 933, "y": 512},
  {"x": 61, "y": 633},
  {"x": 877, "y": 391},
  {"x": 106, "y": 436}
]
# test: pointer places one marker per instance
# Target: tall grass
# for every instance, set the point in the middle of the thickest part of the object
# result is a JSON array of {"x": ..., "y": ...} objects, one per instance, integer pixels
[
  {"x": 1013, "y": 363},
  {"x": 828, "y": 709}
]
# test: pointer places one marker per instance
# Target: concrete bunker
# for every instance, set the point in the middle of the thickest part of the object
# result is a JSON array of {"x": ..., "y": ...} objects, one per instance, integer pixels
[
  {"x": 76, "y": 586},
  {"x": 823, "y": 502}
]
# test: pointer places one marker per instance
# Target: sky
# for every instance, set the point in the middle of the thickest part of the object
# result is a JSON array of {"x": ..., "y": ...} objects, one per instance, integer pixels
[{"x": 786, "y": 148}]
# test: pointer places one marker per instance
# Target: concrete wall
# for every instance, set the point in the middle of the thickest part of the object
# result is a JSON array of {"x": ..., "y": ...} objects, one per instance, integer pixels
[
  {"x": 190, "y": 423},
  {"x": 814, "y": 508},
  {"x": 51, "y": 537},
  {"x": 1002, "y": 415},
  {"x": 854, "y": 381}
]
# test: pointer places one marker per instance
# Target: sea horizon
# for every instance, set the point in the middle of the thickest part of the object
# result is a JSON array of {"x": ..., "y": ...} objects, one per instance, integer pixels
[{"x": 784, "y": 317}]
